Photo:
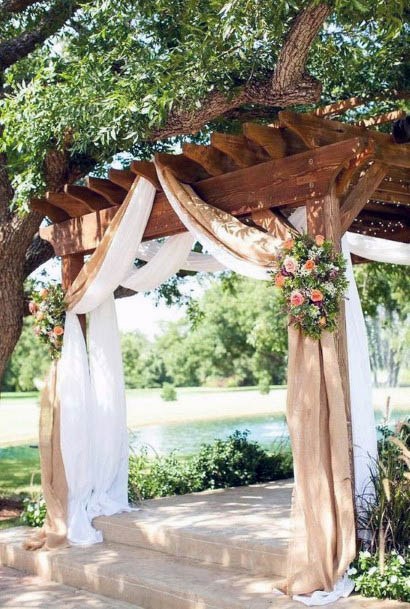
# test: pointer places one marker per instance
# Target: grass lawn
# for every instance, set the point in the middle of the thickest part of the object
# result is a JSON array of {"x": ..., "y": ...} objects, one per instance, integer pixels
[{"x": 19, "y": 473}]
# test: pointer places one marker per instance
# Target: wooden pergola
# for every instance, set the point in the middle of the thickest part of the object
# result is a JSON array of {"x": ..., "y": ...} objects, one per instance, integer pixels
[
  {"x": 359, "y": 175},
  {"x": 349, "y": 177}
]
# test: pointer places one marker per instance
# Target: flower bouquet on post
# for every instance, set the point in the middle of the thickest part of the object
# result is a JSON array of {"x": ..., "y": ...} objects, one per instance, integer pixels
[
  {"x": 48, "y": 309},
  {"x": 312, "y": 280}
]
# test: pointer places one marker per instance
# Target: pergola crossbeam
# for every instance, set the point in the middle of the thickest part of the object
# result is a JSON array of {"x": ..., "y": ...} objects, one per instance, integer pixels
[{"x": 357, "y": 198}]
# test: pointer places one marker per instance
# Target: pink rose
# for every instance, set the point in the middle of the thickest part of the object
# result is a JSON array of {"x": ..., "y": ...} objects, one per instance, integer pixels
[
  {"x": 32, "y": 307},
  {"x": 290, "y": 265},
  {"x": 296, "y": 298}
]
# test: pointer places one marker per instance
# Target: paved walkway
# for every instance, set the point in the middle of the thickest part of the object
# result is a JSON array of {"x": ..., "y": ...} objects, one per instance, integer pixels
[{"x": 20, "y": 591}]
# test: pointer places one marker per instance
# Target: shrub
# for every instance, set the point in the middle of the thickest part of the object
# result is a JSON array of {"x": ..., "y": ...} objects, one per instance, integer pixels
[
  {"x": 392, "y": 581},
  {"x": 232, "y": 462},
  {"x": 264, "y": 385},
  {"x": 34, "y": 512},
  {"x": 235, "y": 461},
  {"x": 168, "y": 392},
  {"x": 160, "y": 477},
  {"x": 387, "y": 518},
  {"x": 384, "y": 571}
]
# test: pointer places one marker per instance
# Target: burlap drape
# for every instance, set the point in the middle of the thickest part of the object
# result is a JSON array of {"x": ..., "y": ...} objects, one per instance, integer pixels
[
  {"x": 54, "y": 532},
  {"x": 89, "y": 271},
  {"x": 323, "y": 540},
  {"x": 224, "y": 230},
  {"x": 323, "y": 543}
]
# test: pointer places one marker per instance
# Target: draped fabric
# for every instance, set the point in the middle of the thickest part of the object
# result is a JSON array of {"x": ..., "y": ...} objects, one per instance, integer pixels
[
  {"x": 323, "y": 540},
  {"x": 90, "y": 385},
  {"x": 53, "y": 534},
  {"x": 243, "y": 249},
  {"x": 360, "y": 379}
]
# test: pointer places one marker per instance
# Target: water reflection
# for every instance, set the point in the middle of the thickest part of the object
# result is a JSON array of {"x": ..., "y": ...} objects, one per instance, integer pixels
[{"x": 187, "y": 437}]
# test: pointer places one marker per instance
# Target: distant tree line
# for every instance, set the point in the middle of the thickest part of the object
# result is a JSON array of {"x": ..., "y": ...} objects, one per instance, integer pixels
[{"x": 235, "y": 335}]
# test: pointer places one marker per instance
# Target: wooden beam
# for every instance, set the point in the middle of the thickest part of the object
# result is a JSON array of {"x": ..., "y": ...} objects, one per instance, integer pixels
[
  {"x": 185, "y": 169},
  {"x": 338, "y": 107},
  {"x": 236, "y": 147},
  {"x": 291, "y": 180},
  {"x": 73, "y": 207},
  {"x": 70, "y": 267},
  {"x": 146, "y": 169},
  {"x": 357, "y": 198},
  {"x": 55, "y": 214},
  {"x": 211, "y": 159},
  {"x": 121, "y": 177},
  {"x": 112, "y": 193},
  {"x": 316, "y": 132},
  {"x": 387, "y": 117},
  {"x": 93, "y": 200},
  {"x": 269, "y": 138}
]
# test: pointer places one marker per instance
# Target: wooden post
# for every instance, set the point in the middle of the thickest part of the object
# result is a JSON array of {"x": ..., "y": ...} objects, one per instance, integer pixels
[
  {"x": 323, "y": 217},
  {"x": 70, "y": 267}
]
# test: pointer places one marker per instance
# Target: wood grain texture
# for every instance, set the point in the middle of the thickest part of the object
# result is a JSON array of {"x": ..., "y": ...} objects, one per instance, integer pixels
[
  {"x": 70, "y": 267},
  {"x": 112, "y": 193},
  {"x": 292, "y": 180},
  {"x": 357, "y": 198}
]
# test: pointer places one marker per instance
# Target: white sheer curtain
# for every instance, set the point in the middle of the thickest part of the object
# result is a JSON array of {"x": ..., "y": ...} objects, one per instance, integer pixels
[
  {"x": 91, "y": 387},
  {"x": 94, "y": 435}
]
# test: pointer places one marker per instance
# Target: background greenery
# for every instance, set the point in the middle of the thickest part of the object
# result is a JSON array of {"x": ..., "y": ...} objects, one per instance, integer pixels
[{"x": 235, "y": 335}]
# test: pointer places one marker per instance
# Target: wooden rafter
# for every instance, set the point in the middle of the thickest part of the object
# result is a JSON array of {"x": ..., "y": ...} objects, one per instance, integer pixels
[
  {"x": 360, "y": 194},
  {"x": 268, "y": 167},
  {"x": 292, "y": 180}
]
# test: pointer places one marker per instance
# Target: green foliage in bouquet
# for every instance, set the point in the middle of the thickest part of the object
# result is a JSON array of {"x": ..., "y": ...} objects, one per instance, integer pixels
[
  {"x": 312, "y": 281},
  {"x": 48, "y": 309}
]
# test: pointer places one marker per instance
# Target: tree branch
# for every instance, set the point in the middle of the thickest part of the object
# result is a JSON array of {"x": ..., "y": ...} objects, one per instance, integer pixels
[
  {"x": 37, "y": 254},
  {"x": 290, "y": 67},
  {"x": 287, "y": 85},
  {"x": 14, "y": 6},
  {"x": 13, "y": 50}
]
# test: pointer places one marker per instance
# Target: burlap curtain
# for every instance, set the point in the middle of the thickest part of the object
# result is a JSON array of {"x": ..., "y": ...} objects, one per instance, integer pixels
[
  {"x": 54, "y": 486},
  {"x": 324, "y": 540}
]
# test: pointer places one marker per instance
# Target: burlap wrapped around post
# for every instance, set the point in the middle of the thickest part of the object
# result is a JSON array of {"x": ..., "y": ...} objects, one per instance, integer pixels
[
  {"x": 323, "y": 537},
  {"x": 53, "y": 534}
]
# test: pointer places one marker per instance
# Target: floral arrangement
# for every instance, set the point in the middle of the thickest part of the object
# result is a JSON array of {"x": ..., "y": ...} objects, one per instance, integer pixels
[
  {"x": 312, "y": 280},
  {"x": 48, "y": 309}
]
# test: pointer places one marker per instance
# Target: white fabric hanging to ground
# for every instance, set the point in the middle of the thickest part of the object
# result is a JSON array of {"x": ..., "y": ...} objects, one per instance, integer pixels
[{"x": 92, "y": 389}]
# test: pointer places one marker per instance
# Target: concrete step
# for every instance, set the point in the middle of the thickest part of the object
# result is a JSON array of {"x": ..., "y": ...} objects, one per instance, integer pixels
[
  {"x": 125, "y": 577},
  {"x": 245, "y": 528},
  {"x": 141, "y": 577},
  {"x": 19, "y": 590}
]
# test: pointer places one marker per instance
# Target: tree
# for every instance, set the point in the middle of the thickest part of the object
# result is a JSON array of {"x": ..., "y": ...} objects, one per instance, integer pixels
[
  {"x": 237, "y": 336},
  {"x": 29, "y": 362},
  {"x": 81, "y": 82},
  {"x": 384, "y": 290}
]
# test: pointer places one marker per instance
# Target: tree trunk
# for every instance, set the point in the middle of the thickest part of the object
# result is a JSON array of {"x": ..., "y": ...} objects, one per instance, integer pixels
[{"x": 16, "y": 236}]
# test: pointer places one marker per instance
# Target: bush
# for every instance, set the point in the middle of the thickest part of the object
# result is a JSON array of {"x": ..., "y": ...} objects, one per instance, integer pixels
[
  {"x": 387, "y": 518},
  {"x": 384, "y": 571},
  {"x": 236, "y": 462},
  {"x": 168, "y": 392},
  {"x": 160, "y": 477},
  {"x": 34, "y": 512},
  {"x": 232, "y": 462},
  {"x": 392, "y": 581}
]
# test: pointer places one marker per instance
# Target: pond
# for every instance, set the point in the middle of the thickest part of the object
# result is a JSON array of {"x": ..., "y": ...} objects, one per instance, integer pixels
[{"x": 187, "y": 437}]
